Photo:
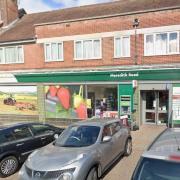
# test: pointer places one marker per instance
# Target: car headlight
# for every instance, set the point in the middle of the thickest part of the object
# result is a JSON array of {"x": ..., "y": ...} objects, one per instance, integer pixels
[{"x": 66, "y": 176}]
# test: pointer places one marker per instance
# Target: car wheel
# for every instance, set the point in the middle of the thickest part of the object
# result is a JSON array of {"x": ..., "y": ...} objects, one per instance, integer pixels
[
  {"x": 128, "y": 147},
  {"x": 8, "y": 166},
  {"x": 93, "y": 174}
]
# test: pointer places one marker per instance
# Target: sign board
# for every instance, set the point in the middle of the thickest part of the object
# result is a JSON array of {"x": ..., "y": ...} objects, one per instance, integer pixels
[{"x": 176, "y": 103}]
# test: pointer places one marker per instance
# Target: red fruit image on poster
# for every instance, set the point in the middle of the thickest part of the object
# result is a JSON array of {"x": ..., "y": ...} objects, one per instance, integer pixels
[
  {"x": 82, "y": 111},
  {"x": 63, "y": 95},
  {"x": 53, "y": 91}
]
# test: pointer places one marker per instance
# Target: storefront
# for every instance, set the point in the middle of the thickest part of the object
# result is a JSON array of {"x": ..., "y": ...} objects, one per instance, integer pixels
[{"x": 146, "y": 96}]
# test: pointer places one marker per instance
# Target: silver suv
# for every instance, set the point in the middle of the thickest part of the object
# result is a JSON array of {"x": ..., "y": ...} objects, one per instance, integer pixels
[
  {"x": 162, "y": 159},
  {"x": 82, "y": 152}
]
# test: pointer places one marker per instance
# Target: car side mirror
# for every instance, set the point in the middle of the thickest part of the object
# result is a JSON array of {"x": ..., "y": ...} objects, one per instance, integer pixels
[
  {"x": 56, "y": 136},
  {"x": 106, "y": 139}
]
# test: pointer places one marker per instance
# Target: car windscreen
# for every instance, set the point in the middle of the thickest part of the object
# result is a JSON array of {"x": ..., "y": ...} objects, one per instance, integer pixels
[
  {"x": 78, "y": 136},
  {"x": 155, "y": 169}
]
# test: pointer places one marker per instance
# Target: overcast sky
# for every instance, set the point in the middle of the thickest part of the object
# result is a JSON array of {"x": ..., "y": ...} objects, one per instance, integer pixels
[{"x": 32, "y": 6}]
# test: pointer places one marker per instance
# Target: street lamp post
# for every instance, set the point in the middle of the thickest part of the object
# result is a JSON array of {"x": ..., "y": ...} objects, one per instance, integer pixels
[{"x": 135, "y": 25}]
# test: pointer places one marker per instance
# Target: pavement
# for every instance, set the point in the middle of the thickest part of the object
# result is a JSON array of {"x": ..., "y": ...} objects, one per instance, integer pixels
[{"x": 124, "y": 167}]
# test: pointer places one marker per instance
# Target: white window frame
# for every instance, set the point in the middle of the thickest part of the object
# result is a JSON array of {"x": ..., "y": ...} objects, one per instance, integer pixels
[
  {"x": 154, "y": 41},
  {"x": 53, "y": 60},
  {"x": 121, "y": 56},
  {"x": 82, "y": 50},
  {"x": 4, "y": 57},
  {"x": 1, "y": 15}
]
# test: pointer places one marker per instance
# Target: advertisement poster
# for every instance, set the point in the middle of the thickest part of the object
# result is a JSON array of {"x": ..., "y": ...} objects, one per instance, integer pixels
[
  {"x": 20, "y": 100},
  {"x": 176, "y": 103},
  {"x": 65, "y": 102}
]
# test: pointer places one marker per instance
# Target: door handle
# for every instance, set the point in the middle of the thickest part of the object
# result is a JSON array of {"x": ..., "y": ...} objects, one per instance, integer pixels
[
  {"x": 43, "y": 138},
  {"x": 20, "y": 144}
]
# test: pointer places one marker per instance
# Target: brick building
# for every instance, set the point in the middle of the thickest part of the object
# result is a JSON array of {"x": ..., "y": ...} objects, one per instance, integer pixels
[{"x": 98, "y": 60}]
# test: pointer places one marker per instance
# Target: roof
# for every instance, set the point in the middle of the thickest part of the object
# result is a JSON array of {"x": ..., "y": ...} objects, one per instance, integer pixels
[
  {"x": 166, "y": 144},
  {"x": 97, "y": 121},
  {"x": 14, "y": 125},
  {"x": 24, "y": 28}
]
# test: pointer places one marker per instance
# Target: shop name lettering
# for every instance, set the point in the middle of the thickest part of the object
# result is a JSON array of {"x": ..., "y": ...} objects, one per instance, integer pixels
[{"x": 121, "y": 75}]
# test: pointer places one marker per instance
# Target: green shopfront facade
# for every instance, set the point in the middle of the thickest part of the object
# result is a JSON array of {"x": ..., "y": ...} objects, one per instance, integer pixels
[{"x": 146, "y": 96}]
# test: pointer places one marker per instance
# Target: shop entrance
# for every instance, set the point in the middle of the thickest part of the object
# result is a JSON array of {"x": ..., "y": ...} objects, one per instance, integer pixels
[{"x": 155, "y": 106}]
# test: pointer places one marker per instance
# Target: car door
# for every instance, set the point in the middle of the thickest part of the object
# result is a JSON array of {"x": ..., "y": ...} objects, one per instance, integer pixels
[
  {"x": 42, "y": 132},
  {"x": 7, "y": 143},
  {"x": 119, "y": 133},
  {"x": 106, "y": 147},
  {"x": 23, "y": 143}
]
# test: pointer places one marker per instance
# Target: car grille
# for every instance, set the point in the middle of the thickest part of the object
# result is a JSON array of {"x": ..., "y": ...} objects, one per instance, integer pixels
[{"x": 46, "y": 174}]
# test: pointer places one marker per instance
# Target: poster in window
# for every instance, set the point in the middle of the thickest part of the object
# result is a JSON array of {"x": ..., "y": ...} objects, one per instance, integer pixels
[
  {"x": 176, "y": 103},
  {"x": 65, "y": 101},
  {"x": 20, "y": 100}
]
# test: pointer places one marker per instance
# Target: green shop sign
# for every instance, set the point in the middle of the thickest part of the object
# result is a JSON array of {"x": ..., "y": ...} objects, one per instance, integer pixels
[{"x": 147, "y": 74}]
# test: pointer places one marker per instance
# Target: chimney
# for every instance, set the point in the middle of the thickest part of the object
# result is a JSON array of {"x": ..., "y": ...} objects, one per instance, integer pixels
[{"x": 8, "y": 11}]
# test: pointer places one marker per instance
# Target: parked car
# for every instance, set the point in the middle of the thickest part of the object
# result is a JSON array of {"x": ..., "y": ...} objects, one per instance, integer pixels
[
  {"x": 18, "y": 141},
  {"x": 162, "y": 159},
  {"x": 84, "y": 151}
]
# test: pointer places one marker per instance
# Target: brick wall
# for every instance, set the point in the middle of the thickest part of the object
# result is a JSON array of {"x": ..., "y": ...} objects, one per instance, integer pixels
[
  {"x": 12, "y": 9},
  {"x": 9, "y": 11},
  {"x": 34, "y": 53}
]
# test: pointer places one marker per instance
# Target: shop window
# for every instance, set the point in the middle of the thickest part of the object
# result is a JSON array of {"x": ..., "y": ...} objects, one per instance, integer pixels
[
  {"x": 53, "y": 51},
  {"x": 122, "y": 46},
  {"x": 161, "y": 43},
  {"x": 87, "y": 49},
  {"x": 10, "y": 55},
  {"x": 103, "y": 100}
]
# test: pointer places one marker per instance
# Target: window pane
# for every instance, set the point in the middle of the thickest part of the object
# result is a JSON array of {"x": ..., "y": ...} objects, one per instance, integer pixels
[
  {"x": 60, "y": 50},
  {"x": 20, "y": 54},
  {"x": 173, "y": 43},
  {"x": 117, "y": 47},
  {"x": 161, "y": 44},
  {"x": 21, "y": 133},
  {"x": 41, "y": 129},
  {"x": 87, "y": 49},
  {"x": 10, "y": 55},
  {"x": 6, "y": 137},
  {"x": 54, "y": 51},
  {"x": 125, "y": 46},
  {"x": 48, "y": 51},
  {"x": 97, "y": 50},
  {"x": 149, "y": 45},
  {"x": 1, "y": 55},
  {"x": 78, "y": 49}
]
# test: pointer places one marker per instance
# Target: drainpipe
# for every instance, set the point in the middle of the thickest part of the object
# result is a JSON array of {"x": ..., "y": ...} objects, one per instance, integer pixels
[{"x": 135, "y": 25}]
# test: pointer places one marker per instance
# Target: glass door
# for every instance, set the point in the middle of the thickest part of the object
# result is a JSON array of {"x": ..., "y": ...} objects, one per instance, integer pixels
[
  {"x": 155, "y": 107},
  {"x": 150, "y": 106}
]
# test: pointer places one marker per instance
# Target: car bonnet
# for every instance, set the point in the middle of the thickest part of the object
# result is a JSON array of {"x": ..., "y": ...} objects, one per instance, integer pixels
[{"x": 52, "y": 158}]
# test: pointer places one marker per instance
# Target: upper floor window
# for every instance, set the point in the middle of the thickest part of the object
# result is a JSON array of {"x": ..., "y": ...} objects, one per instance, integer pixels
[
  {"x": 87, "y": 49},
  {"x": 10, "y": 55},
  {"x": 161, "y": 43},
  {"x": 53, "y": 51},
  {"x": 122, "y": 46}
]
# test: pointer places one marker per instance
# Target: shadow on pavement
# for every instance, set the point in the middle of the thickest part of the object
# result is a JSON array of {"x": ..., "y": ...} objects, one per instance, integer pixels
[{"x": 111, "y": 167}]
